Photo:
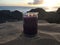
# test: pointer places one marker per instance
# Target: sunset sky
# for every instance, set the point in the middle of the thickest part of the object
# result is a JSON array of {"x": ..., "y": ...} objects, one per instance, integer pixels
[
  {"x": 22, "y": 2},
  {"x": 14, "y": 2},
  {"x": 45, "y": 3}
]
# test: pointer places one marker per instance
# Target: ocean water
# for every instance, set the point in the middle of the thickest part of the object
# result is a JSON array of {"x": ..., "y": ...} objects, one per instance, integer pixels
[{"x": 19, "y": 8}]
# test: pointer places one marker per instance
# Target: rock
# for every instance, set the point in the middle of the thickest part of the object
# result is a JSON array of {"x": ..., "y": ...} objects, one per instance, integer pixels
[
  {"x": 7, "y": 15},
  {"x": 51, "y": 17}
]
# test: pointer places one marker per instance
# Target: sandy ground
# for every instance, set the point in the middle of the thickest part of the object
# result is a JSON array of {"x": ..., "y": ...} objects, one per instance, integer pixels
[{"x": 11, "y": 34}]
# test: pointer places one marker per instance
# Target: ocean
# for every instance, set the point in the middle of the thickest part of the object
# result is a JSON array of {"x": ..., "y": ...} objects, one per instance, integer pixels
[{"x": 19, "y": 8}]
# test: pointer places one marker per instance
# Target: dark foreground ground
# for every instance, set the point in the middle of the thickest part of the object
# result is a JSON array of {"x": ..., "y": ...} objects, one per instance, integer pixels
[{"x": 11, "y": 34}]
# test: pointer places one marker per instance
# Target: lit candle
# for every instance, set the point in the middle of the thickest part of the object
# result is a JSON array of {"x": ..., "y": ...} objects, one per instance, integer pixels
[{"x": 30, "y": 23}]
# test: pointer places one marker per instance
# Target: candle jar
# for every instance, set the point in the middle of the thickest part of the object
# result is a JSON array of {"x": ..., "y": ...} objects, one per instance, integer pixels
[{"x": 30, "y": 21}]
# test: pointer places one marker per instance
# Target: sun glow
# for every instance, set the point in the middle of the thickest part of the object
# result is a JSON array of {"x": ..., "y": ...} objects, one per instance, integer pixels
[{"x": 50, "y": 3}]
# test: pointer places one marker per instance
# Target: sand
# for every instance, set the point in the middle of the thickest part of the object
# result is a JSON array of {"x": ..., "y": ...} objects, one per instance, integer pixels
[{"x": 11, "y": 34}]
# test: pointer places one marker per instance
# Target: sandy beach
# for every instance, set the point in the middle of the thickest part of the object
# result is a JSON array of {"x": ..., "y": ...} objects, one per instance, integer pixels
[{"x": 11, "y": 34}]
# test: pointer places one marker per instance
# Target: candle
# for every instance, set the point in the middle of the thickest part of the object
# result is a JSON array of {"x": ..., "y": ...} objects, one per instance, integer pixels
[{"x": 30, "y": 23}]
